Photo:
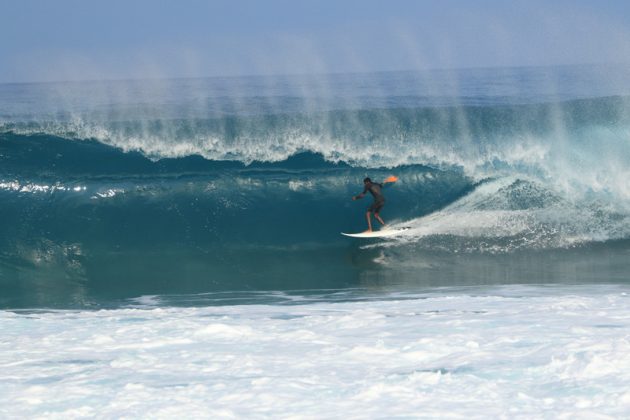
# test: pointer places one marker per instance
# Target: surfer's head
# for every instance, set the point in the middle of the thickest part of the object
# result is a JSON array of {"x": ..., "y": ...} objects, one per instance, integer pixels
[{"x": 367, "y": 181}]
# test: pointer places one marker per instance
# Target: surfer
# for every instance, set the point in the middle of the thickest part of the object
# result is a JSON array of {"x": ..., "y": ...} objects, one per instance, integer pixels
[{"x": 375, "y": 189}]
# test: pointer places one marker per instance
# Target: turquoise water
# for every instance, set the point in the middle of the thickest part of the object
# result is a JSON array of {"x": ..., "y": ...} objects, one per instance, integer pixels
[{"x": 114, "y": 190}]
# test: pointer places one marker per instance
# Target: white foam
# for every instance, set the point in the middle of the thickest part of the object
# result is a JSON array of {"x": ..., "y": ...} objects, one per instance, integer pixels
[
  {"x": 512, "y": 352},
  {"x": 109, "y": 193},
  {"x": 34, "y": 188},
  {"x": 484, "y": 221},
  {"x": 300, "y": 185},
  {"x": 147, "y": 300}
]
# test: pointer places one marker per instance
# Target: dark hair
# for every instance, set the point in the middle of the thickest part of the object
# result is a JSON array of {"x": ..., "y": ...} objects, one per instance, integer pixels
[{"x": 367, "y": 180}]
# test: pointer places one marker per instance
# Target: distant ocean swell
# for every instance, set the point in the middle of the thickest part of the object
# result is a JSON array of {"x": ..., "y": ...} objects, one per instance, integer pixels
[{"x": 247, "y": 202}]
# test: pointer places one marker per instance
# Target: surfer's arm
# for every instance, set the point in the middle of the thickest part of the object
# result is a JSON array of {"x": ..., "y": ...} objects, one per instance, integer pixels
[{"x": 360, "y": 196}]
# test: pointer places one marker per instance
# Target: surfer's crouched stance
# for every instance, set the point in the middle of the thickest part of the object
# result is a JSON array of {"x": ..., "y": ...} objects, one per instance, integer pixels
[{"x": 379, "y": 201}]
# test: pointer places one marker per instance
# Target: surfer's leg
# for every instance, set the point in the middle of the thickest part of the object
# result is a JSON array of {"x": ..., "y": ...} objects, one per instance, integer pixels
[
  {"x": 376, "y": 207},
  {"x": 369, "y": 220}
]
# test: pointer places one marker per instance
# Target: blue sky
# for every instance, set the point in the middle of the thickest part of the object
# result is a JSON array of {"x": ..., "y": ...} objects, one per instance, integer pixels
[{"x": 42, "y": 40}]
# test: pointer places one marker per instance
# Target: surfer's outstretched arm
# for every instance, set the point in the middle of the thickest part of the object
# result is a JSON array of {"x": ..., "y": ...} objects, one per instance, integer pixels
[{"x": 360, "y": 196}]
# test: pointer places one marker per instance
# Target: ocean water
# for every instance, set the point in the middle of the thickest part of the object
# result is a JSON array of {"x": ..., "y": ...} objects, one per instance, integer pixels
[{"x": 173, "y": 246}]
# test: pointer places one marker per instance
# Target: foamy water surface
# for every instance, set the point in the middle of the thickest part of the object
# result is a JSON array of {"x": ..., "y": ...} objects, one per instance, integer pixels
[{"x": 501, "y": 352}]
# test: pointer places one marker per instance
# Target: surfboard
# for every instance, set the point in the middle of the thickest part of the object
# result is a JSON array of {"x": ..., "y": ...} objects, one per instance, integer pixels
[{"x": 377, "y": 233}]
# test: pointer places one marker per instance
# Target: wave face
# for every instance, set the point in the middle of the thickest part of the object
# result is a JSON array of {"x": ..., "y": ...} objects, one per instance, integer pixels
[{"x": 119, "y": 189}]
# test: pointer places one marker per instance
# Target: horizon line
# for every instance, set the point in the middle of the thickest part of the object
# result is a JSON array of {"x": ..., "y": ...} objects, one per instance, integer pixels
[{"x": 291, "y": 75}]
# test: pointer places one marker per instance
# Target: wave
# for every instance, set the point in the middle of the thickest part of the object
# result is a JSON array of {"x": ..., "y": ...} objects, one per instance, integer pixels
[
  {"x": 580, "y": 145},
  {"x": 576, "y": 150},
  {"x": 89, "y": 240},
  {"x": 250, "y": 202}
]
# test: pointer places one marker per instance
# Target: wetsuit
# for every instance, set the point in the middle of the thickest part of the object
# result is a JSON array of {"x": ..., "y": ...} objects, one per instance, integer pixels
[{"x": 375, "y": 189}]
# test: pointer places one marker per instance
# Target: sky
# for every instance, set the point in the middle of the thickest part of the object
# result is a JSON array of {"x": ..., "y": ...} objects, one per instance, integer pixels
[{"x": 43, "y": 40}]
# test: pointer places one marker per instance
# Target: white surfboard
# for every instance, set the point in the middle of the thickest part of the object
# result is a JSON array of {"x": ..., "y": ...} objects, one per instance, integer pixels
[{"x": 377, "y": 233}]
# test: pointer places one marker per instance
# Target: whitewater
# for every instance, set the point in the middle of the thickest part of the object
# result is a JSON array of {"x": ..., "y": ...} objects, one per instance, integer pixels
[
  {"x": 172, "y": 247},
  {"x": 507, "y": 352}
]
